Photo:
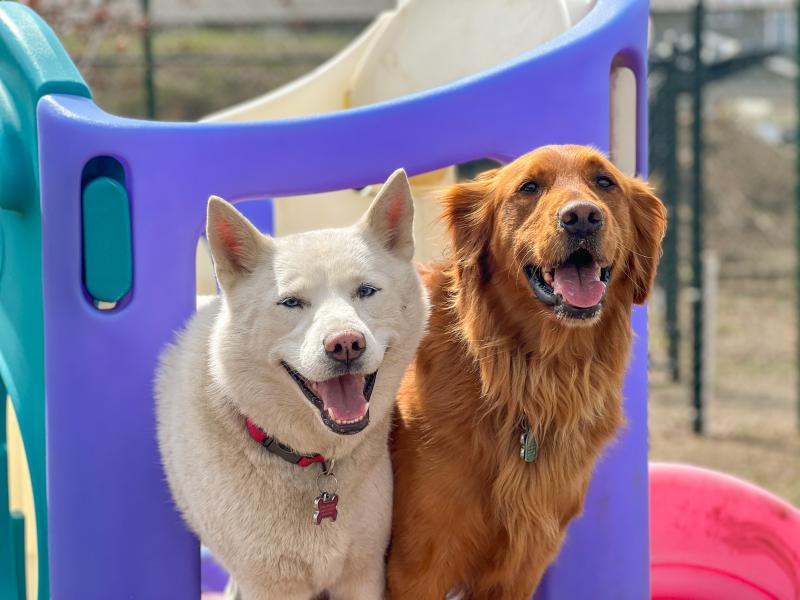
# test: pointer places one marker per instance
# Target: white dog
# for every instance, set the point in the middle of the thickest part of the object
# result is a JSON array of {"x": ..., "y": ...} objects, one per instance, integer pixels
[{"x": 275, "y": 404}]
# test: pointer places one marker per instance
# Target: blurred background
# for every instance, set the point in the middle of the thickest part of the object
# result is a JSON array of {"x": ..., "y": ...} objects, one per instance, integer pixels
[{"x": 723, "y": 139}]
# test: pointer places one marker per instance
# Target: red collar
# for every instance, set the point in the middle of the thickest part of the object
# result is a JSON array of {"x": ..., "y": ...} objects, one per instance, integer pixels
[{"x": 282, "y": 450}]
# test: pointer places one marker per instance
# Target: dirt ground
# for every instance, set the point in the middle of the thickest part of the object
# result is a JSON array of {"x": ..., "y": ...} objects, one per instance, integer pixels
[{"x": 752, "y": 419}]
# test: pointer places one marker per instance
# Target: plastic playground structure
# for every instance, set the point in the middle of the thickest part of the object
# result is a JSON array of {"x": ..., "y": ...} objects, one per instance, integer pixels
[{"x": 100, "y": 218}]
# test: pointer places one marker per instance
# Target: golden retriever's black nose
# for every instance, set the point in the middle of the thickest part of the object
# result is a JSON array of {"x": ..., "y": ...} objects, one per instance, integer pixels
[
  {"x": 345, "y": 346},
  {"x": 580, "y": 218}
]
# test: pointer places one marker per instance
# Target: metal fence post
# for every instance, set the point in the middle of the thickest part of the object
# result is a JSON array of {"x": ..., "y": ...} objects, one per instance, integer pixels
[
  {"x": 149, "y": 65},
  {"x": 697, "y": 220},
  {"x": 672, "y": 191}
]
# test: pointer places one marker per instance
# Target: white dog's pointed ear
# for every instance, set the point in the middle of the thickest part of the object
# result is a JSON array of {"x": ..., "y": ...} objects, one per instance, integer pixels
[
  {"x": 390, "y": 217},
  {"x": 236, "y": 245}
]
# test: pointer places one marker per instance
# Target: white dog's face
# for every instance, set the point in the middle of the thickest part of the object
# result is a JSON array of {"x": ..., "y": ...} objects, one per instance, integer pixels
[{"x": 317, "y": 328}]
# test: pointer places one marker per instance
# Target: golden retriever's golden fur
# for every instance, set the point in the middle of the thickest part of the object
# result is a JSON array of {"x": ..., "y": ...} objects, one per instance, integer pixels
[{"x": 469, "y": 513}]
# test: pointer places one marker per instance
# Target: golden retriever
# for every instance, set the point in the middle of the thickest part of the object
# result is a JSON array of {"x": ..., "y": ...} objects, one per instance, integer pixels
[{"x": 529, "y": 332}]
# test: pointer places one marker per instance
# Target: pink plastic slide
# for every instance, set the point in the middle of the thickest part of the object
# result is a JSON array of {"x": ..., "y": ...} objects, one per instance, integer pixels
[{"x": 715, "y": 537}]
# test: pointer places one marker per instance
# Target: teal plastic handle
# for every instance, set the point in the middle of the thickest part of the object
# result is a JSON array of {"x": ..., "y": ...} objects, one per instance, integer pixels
[{"x": 107, "y": 256}]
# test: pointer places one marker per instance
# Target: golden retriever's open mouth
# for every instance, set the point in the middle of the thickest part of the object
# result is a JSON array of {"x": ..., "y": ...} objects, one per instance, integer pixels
[
  {"x": 575, "y": 289},
  {"x": 343, "y": 401}
]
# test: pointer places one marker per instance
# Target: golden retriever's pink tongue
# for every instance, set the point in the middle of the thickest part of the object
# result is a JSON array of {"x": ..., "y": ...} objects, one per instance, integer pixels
[
  {"x": 343, "y": 396},
  {"x": 580, "y": 286}
]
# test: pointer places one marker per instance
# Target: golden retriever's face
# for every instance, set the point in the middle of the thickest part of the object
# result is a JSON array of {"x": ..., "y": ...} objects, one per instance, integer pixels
[{"x": 566, "y": 223}]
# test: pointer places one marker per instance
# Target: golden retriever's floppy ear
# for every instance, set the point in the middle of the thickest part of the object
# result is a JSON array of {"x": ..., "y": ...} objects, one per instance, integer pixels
[
  {"x": 649, "y": 217},
  {"x": 390, "y": 217},
  {"x": 236, "y": 245},
  {"x": 468, "y": 218}
]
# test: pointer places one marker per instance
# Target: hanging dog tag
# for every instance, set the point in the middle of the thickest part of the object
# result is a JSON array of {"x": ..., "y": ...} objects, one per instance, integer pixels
[
  {"x": 325, "y": 507},
  {"x": 529, "y": 448}
]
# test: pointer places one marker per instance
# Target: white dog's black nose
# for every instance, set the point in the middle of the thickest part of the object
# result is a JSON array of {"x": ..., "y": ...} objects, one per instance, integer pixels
[{"x": 345, "y": 346}]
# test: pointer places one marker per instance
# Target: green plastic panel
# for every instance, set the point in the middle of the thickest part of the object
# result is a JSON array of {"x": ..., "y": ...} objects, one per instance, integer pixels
[
  {"x": 32, "y": 64},
  {"x": 107, "y": 256},
  {"x": 18, "y": 538}
]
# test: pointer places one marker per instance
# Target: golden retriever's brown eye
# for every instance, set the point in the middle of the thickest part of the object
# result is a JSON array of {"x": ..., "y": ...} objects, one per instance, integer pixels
[
  {"x": 529, "y": 187},
  {"x": 604, "y": 182}
]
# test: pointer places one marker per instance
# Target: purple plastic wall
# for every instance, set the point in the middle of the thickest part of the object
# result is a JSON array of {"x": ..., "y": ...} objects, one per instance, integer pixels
[{"x": 114, "y": 531}]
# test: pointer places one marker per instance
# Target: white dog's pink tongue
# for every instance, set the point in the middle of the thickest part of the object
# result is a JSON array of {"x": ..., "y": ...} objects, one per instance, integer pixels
[
  {"x": 344, "y": 397},
  {"x": 580, "y": 286}
]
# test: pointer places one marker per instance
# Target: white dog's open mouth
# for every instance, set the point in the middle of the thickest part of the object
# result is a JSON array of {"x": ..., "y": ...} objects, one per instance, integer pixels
[{"x": 343, "y": 402}]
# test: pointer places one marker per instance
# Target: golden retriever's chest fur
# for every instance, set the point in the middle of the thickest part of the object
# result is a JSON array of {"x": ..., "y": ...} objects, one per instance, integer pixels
[{"x": 457, "y": 448}]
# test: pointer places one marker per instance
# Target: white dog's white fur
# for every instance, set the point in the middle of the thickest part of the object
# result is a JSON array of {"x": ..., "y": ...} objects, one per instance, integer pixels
[{"x": 252, "y": 508}]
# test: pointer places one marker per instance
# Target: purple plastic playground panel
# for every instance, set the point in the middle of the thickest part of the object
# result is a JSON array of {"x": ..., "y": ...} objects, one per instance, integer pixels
[
  {"x": 114, "y": 531},
  {"x": 617, "y": 505},
  {"x": 213, "y": 578}
]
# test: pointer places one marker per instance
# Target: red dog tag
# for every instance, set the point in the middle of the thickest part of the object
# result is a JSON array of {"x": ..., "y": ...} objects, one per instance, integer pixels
[{"x": 325, "y": 507}]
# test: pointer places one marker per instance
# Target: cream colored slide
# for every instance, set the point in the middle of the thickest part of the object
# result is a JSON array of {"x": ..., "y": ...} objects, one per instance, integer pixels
[{"x": 420, "y": 45}]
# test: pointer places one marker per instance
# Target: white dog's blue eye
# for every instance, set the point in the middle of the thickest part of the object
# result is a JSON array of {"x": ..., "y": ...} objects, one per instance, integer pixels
[
  {"x": 365, "y": 291},
  {"x": 291, "y": 302}
]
